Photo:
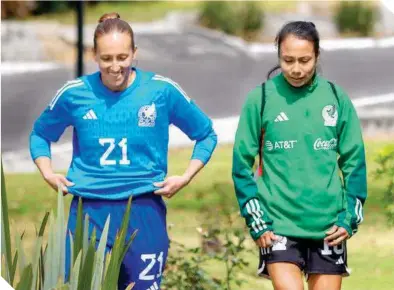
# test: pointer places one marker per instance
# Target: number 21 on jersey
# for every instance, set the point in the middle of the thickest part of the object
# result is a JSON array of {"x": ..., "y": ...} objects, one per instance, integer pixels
[{"x": 111, "y": 143}]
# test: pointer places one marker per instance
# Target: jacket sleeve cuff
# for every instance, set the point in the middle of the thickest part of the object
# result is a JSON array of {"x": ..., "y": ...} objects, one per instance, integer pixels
[
  {"x": 255, "y": 235},
  {"x": 347, "y": 227}
]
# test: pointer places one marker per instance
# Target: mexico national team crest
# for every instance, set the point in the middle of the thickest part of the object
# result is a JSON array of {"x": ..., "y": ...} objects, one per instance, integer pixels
[
  {"x": 147, "y": 116},
  {"x": 330, "y": 115}
]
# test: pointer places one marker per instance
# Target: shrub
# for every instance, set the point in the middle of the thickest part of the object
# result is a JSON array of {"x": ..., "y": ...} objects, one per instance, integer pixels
[
  {"x": 236, "y": 18},
  {"x": 385, "y": 172},
  {"x": 252, "y": 19},
  {"x": 223, "y": 241},
  {"x": 23, "y": 9},
  {"x": 219, "y": 15},
  {"x": 43, "y": 7},
  {"x": 356, "y": 17}
]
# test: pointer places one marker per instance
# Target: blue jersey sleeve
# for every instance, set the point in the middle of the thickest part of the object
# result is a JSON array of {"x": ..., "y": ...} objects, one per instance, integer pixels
[
  {"x": 39, "y": 146},
  {"x": 188, "y": 117},
  {"x": 56, "y": 117},
  {"x": 204, "y": 148},
  {"x": 52, "y": 122}
]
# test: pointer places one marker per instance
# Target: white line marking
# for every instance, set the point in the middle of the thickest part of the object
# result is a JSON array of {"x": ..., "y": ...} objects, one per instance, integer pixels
[
  {"x": 375, "y": 100},
  {"x": 12, "y": 68},
  {"x": 389, "y": 4}
]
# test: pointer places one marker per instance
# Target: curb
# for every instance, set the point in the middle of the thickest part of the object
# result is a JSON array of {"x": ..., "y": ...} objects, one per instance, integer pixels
[{"x": 255, "y": 49}]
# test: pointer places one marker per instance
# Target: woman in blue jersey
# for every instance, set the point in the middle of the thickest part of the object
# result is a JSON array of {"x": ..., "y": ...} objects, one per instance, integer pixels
[{"x": 120, "y": 117}]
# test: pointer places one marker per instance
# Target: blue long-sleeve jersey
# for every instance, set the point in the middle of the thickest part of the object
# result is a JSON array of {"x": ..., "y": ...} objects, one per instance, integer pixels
[{"x": 120, "y": 139}]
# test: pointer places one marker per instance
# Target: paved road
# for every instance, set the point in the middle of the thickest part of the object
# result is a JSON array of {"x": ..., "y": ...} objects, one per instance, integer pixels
[{"x": 216, "y": 75}]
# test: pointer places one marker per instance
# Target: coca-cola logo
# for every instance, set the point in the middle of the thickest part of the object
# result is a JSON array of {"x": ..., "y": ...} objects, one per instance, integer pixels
[{"x": 325, "y": 144}]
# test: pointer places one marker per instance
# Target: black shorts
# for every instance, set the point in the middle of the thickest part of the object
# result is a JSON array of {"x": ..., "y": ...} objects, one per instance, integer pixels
[{"x": 311, "y": 256}]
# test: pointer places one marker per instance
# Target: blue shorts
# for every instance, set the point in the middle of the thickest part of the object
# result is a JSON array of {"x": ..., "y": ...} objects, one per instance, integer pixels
[{"x": 144, "y": 262}]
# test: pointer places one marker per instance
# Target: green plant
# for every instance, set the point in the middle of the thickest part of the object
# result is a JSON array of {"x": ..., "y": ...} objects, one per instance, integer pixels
[
  {"x": 252, "y": 18},
  {"x": 229, "y": 235},
  {"x": 385, "y": 172},
  {"x": 356, "y": 17},
  {"x": 91, "y": 267},
  {"x": 234, "y": 18},
  {"x": 185, "y": 269},
  {"x": 222, "y": 241},
  {"x": 234, "y": 247},
  {"x": 219, "y": 15},
  {"x": 51, "y": 6}
]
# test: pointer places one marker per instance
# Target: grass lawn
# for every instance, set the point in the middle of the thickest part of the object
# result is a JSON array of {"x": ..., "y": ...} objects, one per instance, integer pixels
[
  {"x": 144, "y": 11},
  {"x": 371, "y": 251},
  {"x": 135, "y": 11}
]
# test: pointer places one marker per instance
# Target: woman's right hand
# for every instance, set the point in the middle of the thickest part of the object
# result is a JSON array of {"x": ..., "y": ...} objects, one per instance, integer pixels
[
  {"x": 266, "y": 240},
  {"x": 55, "y": 180}
]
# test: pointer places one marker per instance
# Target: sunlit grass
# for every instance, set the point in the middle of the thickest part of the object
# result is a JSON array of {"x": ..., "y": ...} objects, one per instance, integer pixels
[{"x": 371, "y": 251}]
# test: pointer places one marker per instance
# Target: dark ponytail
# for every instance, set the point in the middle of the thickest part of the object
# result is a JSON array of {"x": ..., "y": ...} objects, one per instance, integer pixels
[{"x": 301, "y": 29}]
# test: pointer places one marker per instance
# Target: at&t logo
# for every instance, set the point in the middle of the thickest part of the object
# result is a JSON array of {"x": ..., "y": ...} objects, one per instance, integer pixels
[{"x": 275, "y": 145}]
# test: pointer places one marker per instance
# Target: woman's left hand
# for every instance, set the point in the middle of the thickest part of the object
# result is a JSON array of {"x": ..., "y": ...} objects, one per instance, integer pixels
[
  {"x": 336, "y": 235},
  {"x": 171, "y": 185}
]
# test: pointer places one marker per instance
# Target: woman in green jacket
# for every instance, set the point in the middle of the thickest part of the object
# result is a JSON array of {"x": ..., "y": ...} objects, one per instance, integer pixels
[{"x": 300, "y": 210}]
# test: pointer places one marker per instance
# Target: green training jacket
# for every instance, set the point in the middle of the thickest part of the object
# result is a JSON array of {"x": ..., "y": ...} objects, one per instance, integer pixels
[{"x": 300, "y": 193}]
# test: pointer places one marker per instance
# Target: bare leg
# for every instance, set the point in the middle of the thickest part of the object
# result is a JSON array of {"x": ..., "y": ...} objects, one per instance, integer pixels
[
  {"x": 324, "y": 282},
  {"x": 285, "y": 276}
]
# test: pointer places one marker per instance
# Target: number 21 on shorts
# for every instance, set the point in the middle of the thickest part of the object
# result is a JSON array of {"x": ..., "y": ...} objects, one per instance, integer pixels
[{"x": 150, "y": 260}]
